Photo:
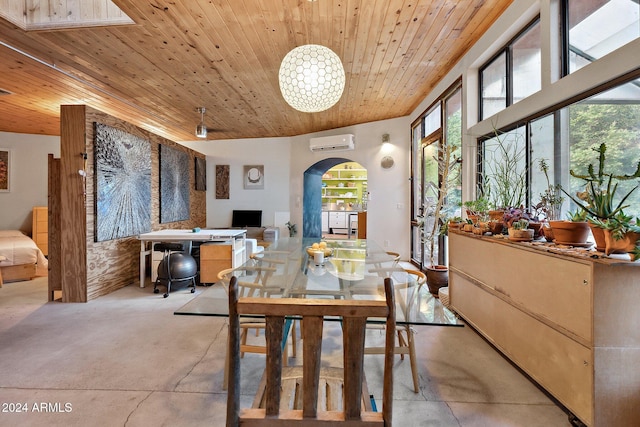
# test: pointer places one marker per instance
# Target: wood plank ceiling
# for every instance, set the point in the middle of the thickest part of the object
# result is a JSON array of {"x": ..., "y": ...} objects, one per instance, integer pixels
[{"x": 225, "y": 55}]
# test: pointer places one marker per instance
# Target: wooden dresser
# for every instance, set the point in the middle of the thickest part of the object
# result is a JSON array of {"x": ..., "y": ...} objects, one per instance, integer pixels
[
  {"x": 569, "y": 321},
  {"x": 40, "y": 231}
]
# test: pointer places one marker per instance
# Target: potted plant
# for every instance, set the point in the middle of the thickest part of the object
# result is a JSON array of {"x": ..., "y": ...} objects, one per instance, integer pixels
[
  {"x": 505, "y": 174},
  {"x": 621, "y": 234},
  {"x": 520, "y": 231},
  {"x": 293, "y": 229},
  {"x": 575, "y": 231},
  {"x": 599, "y": 197},
  {"x": 478, "y": 209},
  {"x": 432, "y": 224},
  {"x": 550, "y": 204}
]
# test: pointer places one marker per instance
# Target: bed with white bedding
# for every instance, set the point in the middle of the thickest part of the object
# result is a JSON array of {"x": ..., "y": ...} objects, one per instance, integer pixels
[{"x": 20, "y": 257}]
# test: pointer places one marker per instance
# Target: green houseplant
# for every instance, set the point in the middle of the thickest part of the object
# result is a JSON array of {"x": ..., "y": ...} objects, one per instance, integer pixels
[
  {"x": 574, "y": 231},
  {"x": 599, "y": 197},
  {"x": 621, "y": 234},
  {"x": 520, "y": 231}
]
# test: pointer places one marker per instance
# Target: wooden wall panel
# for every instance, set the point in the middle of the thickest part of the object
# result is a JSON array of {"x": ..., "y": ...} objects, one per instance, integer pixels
[{"x": 113, "y": 264}]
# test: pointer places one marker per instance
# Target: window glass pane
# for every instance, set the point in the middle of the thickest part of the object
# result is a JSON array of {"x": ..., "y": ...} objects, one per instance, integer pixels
[
  {"x": 430, "y": 183},
  {"x": 544, "y": 194},
  {"x": 494, "y": 87},
  {"x": 504, "y": 169},
  {"x": 526, "y": 63},
  {"x": 612, "y": 117},
  {"x": 598, "y": 27},
  {"x": 416, "y": 136},
  {"x": 432, "y": 121},
  {"x": 453, "y": 137}
]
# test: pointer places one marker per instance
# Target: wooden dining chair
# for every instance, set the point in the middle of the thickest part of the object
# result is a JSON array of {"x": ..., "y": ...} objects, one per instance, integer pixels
[
  {"x": 308, "y": 394},
  {"x": 255, "y": 282},
  {"x": 406, "y": 342}
]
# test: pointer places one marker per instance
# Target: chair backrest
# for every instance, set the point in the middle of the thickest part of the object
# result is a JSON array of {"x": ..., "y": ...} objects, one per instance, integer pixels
[{"x": 354, "y": 314}]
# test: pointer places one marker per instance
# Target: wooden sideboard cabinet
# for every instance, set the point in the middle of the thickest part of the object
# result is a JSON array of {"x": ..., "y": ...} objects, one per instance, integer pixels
[
  {"x": 572, "y": 323},
  {"x": 40, "y": 228}
]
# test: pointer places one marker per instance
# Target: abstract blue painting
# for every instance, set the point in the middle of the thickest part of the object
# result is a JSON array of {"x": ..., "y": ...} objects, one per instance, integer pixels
[
  {"x": 174, "y": 184},
  {"x": 123, "y": 183}
]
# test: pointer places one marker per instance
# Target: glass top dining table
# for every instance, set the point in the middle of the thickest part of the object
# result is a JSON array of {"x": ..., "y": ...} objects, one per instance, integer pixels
[{"x": 351, "y": 269}]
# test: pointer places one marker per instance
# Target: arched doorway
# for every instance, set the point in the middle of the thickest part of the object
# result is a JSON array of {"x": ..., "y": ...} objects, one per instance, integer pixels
[{"x": 313, "y": 193}]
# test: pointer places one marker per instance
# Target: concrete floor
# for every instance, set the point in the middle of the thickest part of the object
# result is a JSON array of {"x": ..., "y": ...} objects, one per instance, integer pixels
[{"x": 126, "y": 360}]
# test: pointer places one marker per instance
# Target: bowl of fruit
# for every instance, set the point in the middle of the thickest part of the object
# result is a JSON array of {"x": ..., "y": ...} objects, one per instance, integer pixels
[{"x": 320, "y": 246}]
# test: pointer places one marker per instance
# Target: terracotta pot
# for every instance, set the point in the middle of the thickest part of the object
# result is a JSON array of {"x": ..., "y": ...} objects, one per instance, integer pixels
[
  {"x": 473, "y": 218},
  {"x": 547, "y": 232},
  {"x": 598, "y": 235},
  {"x": 495, "y": 227},
  {"x": 535, "y": 226},
  {"x": 521, "y": 235},
  {"x": 468, "y": 228},
  {"x": 454, "y": 225},
  {"x": 437, "y": 277},
  {"x": 496, "y": 215},
  {"x": 625, "y": 245},
  {"x": 569, "y": 232}
]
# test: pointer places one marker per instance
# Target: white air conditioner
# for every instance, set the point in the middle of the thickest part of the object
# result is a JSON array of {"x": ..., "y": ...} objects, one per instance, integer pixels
[{"x": 332, "y": 143}]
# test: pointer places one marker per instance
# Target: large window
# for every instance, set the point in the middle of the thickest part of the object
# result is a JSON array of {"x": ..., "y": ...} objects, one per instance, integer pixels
[
  {"x": 595, "y": 28},
  {"x": 566, "y": 140},
  {"x": 436, "y": 132},
  {"x": 513, "y": 73}
]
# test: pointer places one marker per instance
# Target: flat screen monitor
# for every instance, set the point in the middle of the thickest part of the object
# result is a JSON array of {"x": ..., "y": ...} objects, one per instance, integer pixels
[{"x": 245, "y": 218}]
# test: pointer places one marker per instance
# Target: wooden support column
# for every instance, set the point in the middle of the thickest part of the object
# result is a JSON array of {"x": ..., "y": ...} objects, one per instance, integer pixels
[
  {"x": 73, "y": 230},
  {"x": 55, "y": 255}
]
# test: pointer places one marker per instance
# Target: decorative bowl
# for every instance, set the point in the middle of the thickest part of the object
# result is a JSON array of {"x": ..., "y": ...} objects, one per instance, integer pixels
[{"x": 327, "y": 251}]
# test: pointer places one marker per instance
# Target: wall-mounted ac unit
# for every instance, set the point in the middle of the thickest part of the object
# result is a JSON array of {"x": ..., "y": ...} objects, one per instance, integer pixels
[{"x": 332, "y": 143}]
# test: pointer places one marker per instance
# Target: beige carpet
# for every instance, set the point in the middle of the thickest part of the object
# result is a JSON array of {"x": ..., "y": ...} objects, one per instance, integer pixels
[{"x": 126, "y": 360}]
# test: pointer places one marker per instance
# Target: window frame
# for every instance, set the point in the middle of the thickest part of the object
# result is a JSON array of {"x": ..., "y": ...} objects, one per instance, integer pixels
[{"x": 507, "y": 50}]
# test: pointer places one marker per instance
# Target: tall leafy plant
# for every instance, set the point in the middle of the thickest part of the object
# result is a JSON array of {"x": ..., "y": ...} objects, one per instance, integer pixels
[
  {"x": 599, "y": 197},
  {"x": 504, "y": 173},
  {"x": 433, "y": 222}
]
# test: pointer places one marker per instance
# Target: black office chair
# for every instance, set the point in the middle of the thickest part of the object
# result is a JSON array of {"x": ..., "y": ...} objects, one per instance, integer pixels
[{"x": 176, "y": 266}]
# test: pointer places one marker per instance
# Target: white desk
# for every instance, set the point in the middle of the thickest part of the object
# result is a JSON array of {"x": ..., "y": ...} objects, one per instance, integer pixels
[{"x": 234, "y": 237}]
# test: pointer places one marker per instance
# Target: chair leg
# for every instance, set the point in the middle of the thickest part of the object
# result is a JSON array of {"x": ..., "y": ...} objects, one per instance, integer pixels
[
  {"x": 401, "y": 343},
  {"x": 243, "y": 339},
  {"x": 294, "y": 339},
  {"x": 168, "y": 288},
  {"x": 225, "y": 379},
  {"x": 412, "y": 360}
]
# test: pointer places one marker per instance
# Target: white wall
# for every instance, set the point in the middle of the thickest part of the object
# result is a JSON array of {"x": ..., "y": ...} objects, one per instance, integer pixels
[
  {"x": 28, "y": 180},
  {"x": 389, "y": 207},
  {"x": 273, "y": 153}
]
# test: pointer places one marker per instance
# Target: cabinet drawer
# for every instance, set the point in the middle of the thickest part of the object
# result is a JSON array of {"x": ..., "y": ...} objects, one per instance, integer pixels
[
  {"x": 558, "y": 363},
  {"x": 215, "y": 252},
  {"x": 557, "y": 289}
]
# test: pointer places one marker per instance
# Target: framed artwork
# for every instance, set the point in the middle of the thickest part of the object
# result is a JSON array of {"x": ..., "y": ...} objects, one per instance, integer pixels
[
  {"x": 222, "y": 181},
  {"x": 201, "y": 174},
  {"x": 174, "y": 185},
  {"x": 123, "y": 183},
  {"x": 253, "y": 177},
  {"x": 5, "y": 170}
]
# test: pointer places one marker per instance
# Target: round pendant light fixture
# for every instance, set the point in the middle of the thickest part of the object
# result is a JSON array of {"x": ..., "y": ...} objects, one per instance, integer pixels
[{"x": 311, "y": 78}]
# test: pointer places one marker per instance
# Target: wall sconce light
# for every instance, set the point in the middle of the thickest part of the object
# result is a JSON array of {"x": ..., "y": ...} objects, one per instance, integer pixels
[
  {"x": 311, "y": 78},
  {"x": 201, "y": 129}
]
